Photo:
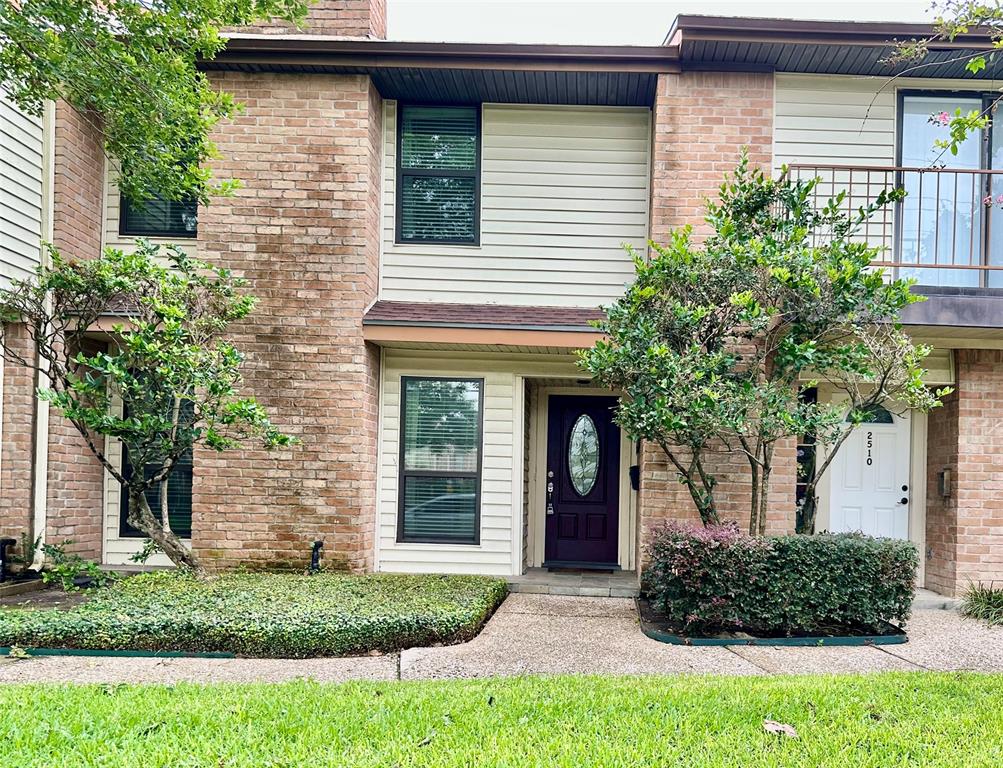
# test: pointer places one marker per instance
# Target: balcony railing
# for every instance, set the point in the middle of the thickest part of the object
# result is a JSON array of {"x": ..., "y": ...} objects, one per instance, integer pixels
[{"x": 947, "y": 231}]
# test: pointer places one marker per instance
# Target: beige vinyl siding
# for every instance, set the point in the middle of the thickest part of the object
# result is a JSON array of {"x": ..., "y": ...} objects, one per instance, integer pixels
[
  {"x": 21, "y": 141},
  {"x": 503, "y": 441},
  {"x": 843, "y": 119},
  {"x": 562, "y": 188},
  {"x": 112, "y": 210},
  {"x": 118, "y": 549},
  {"x": 824, "y": 120}
]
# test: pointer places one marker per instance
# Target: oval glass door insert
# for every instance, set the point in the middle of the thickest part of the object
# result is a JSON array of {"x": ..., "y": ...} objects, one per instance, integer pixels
[{"x": 583, "y": 455}]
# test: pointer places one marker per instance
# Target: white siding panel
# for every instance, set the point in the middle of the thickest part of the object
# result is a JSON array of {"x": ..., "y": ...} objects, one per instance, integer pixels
[
  {"x": 20, "y": 192},
  {"x": 501, "y": 498},
  {"x": 562, "y": 189},
  {"x": 842, "y": 119}
]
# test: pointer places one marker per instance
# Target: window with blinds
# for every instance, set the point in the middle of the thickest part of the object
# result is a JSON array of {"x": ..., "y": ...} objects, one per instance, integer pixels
[
  {"x": 179, "y": 490},
  {"x": 438, "y": 175},
  {"x": 158, "y": 218},
  {"x": 440, "y": 460}
]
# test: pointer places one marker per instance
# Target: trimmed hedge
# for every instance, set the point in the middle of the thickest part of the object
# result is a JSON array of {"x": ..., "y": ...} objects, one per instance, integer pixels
[
  {"x": 718, "y": 579},
  {"x": 264, "y": 614}
]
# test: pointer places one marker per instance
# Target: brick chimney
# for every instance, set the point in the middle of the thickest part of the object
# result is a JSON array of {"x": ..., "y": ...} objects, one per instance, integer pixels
[{"x": 336, "y": 18}]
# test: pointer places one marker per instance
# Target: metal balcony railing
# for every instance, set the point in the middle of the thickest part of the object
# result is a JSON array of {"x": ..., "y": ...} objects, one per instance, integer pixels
[{"x": 947, "y": 231}]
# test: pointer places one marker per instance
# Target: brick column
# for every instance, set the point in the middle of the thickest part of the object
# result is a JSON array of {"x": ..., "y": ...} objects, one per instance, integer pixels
[
  {"x": 965, "y": 528},
  {"x": 75, "y": 481},
  {"x": 304, "y": 231},
  {"x": 17, "y": 447},
  {"x": 335, "y": 18},
  {"x": 702, "y": 120}
]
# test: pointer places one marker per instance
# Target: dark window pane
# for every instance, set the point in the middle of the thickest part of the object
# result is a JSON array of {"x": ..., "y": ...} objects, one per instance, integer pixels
[
  {"x": 440, "y": 508},
  {"x": 441, "y": 425},
  {"x": 438, "y": 208},
  {"x": 165, "y": 218},
  {"x": 439, "y": 138},
  {"x": 875, "y": 414},
  {"x": 179, "y": 489}
]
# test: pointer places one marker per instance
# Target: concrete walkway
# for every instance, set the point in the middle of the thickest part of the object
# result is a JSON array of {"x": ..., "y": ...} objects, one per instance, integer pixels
[{"x": 550, "y": 634}]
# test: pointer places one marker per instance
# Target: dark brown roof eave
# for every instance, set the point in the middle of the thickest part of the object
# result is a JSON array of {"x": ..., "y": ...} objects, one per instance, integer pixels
[
  {"x": 761, "y": 29},
  {"x": 364, "y": 53}
]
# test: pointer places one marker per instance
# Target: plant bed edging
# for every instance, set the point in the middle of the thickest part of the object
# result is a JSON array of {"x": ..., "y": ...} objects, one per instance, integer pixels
[
  {"x": 21, "y": 587},
  {"x": 651, "y": 629},
  {"x": 5, "y": 651}
]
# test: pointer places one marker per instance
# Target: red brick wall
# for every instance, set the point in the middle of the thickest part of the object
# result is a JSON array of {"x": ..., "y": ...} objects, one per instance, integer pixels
[
  {"x": 338, "y": 18},
  {"x": 941, "y": 512},
  {"x": 78, "y": 183},
  {"x": 17, "y": 449},
  {"x": 304, "y": 232},
  {"x": 978, "y": 486},
  {"x": 75, "y": 482},
  {"x": 701, "y": 122}
]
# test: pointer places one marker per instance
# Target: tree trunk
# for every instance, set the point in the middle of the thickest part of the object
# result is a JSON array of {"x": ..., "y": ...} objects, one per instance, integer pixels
[
  {"x": 141, "y": 518},
  {"x": 698, "y": 483},
  {"x": 764, "y": 488},
  {"x": 165, "y": 519},
  {"x": 806, "y": 520},
  {"x": 754, "y": 506}
]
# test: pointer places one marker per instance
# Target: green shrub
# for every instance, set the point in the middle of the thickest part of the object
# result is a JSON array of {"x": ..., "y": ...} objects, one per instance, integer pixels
[
  {"x": 714, "y": 579},
  {"x": 984, "y": 602},
  {"x": 262, "y": 614},
  {"x": 69, "y": 568}
]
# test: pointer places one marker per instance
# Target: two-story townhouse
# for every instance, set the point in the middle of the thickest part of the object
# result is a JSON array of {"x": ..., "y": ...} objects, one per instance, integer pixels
[{"x": 431, "y": 227}]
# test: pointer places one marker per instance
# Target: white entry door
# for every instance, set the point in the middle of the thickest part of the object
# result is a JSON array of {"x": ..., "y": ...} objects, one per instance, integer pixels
[{"x": 870, "y": 478}]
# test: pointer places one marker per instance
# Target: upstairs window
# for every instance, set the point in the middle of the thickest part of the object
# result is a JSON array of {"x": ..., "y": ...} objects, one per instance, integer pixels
[
  {"x": 438, "y": 175},
  {"x": 158, "y": 218}
]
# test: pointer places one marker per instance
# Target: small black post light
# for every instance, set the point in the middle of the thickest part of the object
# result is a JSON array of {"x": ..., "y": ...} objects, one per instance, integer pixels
[
  {"x": 5, "y": 544},
  {"x": 315, "y": 556}
]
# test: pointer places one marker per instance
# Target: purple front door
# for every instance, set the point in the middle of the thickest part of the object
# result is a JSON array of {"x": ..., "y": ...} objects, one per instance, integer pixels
[{"x": 582, "y": 483}]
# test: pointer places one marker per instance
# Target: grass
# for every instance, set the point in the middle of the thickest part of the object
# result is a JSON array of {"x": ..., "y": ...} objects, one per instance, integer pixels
[
  {"x": 984, "y": 602},
  {"x": 261, "y": 614},
  {"x": 877, "y": 721}
]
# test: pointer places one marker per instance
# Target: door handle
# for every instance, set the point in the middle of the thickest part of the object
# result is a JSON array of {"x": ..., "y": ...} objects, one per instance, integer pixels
[
  {"x": 904, "y": 500},
  {"x": 550, "y": 495}
]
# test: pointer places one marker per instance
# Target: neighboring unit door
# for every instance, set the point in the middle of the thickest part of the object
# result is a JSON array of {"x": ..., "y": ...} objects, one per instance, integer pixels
[
  {"x": 582, "y": 483},
  {"x": 870, "y": 478}
]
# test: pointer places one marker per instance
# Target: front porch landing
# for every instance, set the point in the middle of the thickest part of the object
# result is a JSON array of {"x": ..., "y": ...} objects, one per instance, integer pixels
[{"x": 541, "y": 581}]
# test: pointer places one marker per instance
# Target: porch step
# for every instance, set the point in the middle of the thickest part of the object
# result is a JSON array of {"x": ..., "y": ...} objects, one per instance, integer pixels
[
  {"x": 540, "y": 581},
  {"x": 927, "y": 600}
]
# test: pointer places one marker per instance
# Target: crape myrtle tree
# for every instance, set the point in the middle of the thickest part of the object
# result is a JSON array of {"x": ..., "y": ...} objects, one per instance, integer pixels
[
  {"x": 713, "y": 343},
  {"x": 167, "y": 362}
]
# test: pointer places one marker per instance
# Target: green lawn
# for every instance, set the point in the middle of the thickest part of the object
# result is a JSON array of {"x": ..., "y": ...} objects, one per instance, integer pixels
[
  {"x": 261, "y": 614},
  {"x": 879, "y": 721}
]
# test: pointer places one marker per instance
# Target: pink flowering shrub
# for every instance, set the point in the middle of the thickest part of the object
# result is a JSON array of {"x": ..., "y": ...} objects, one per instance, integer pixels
[
  {"x": 940, "y": 118},
  {"x": 716, "y": 578}
]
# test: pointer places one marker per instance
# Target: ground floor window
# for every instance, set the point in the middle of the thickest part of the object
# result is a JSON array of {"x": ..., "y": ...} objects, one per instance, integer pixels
[
  {"x": 440, "y": 460},
  {"x": 179, "y": 492}
]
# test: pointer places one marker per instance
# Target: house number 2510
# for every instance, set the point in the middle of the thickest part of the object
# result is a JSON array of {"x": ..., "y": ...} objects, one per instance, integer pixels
[{"x": 870, "y": 444}]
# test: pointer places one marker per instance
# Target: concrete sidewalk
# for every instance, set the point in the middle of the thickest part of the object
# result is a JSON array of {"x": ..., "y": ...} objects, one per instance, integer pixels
[{"x": 551, "y": 634}]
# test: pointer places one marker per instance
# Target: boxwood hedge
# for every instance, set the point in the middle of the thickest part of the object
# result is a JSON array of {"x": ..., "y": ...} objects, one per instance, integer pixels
[
  {"x": 262, "y": 614},
  {"x": 714, "y": 579}
]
